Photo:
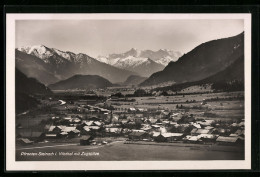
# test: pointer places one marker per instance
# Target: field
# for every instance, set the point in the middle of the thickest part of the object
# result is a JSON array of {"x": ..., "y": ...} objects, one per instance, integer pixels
[
  {"x": 227, "y": 107},
  {"x": 119, "y": 151}
]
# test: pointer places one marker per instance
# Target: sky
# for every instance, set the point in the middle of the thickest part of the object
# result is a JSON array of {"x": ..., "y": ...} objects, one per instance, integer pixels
[{"x": 103, "y": 37}]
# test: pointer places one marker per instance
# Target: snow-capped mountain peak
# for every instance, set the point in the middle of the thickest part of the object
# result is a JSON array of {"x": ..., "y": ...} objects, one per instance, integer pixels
[
  {"x": 162, "y": 56},
  {"x": 50, "y": 64},
  {"x": 40, "y": 51},
  {"x": 67, "y": 55},
  {"x": 130, "y": 61},
  {"x": 45, "y": 53}
]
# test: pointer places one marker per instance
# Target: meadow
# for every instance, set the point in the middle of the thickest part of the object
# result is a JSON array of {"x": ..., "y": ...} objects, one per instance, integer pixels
[{"x": 119, "y": 151}]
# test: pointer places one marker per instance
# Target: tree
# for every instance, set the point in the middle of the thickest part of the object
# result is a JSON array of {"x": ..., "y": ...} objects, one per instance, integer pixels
[
  {"x": 140, "y": 92},
  {"x": 138, "y": 124},
  {"x": 164, "y": 93}
]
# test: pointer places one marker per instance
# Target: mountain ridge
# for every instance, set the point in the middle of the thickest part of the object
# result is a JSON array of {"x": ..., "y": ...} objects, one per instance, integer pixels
[
  {"x": 153, "y": 55},
  {"x": 233, "y": 73},
  {"x": 46, "y": 61},
  {"x": 143, "y": 62},
  {"x": 204, "y": 60},
  {"x": 80, "y": 81},
  {"x": 25, "y": 89},
  {"x": 134, "y": 80}
]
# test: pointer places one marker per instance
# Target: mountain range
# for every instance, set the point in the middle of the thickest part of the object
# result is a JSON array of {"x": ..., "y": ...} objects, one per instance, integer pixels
[
  {"x": 50, "y": 65},
  {"x": 203, "y": 61},
  {"x": 143, "y": 62}
]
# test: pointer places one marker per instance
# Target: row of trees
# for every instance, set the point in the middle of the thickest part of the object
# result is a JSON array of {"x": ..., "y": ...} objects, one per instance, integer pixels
[{"x": 137, "y": 93}]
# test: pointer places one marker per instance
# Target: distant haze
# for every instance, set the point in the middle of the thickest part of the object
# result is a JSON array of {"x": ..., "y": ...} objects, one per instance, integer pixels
[{"x": 102, "y": 37}]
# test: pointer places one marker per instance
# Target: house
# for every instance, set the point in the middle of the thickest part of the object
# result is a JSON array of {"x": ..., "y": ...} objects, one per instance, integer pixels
[
  {"x": 241, "y": 124},
  {"x": 173, "y": 123},
  {"x": 63, "y": 134},
  {"x": 71, "y": 131},
  {"x": 113, "y": 130},
  {"x": 196, "y": 125},
  {"x": 24, "y": 141},
  {"x": 85, "y": 140},
  {"x": 88, "y": 123},
  {"x": 182, "y": 128},
  {"x": 31, "y": 135},
  {"x": 208, "y": 128},
  {"x": 175, "y": 117},
  {"x": 203, "y": 131},
  {"x": 68, "y": 129},
  {"x": 47, "y": 127},
  {"x": 159, "y": 138},
  {"x": 67, "y": 118},
  {"x": 75, "y": 120},
  {"x": 193, "y": 131},
  {"x": 56, "y": 129},
  {"x": 152, "y": 121},
  {"x": 208, "y": 138},
  {"x": 97, "y": 123},
  {"x": 50, "y": 128},
  {"x": 192, "y": 139},
  {"x": 135, "y": 130},
  {"x": 240, "y": 132},
  {"x": 124, "y": 121},
  {"x": 175, "y": 114},
  {"x": 234, "y": 125},
  {"x": 115, "y": 118},
  {"x": 221, "y": 131},
  {"x": 228, "y": 140},
  {"x": 170, "y": 137},
  {"x": 94, "y": 127},
  {"x": 155, "y": 127},
  {"x": 126, "y": 130},
  {"x": 138, "y": 115},
  {"x": 52, "y": 135},
  {"x": 141, "y": 109},
  {"x": 138, "y": 135},
  {"x": 86, "y": 128},
  {"x": 104, "y": 111},
  {"x": 233, "y": 135},
  {"x": 146, "y": 127},
  {"x": 206, "y": 122},
  {"x": 166, "y": 122},
  {"x": 93, "y": 118},
  {"x": 132, "y": 109},
  {"x": 163, "y": 130},
  {"x": 200, "y": 131}
]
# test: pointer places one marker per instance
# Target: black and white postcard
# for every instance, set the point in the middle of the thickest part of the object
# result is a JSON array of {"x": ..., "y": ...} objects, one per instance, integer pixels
[{"x": 128, "y": 91}]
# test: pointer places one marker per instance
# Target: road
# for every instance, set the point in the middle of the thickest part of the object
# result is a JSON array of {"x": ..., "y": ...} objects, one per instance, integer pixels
[{"x": 62, "y": 102}]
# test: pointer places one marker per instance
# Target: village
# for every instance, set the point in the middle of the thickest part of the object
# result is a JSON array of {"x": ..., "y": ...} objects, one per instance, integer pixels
[{"x": 102, "y": 123}]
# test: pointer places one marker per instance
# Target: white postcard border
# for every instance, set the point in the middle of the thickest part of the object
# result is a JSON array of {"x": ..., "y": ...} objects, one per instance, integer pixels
[{"x": 12, "y": 165}]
